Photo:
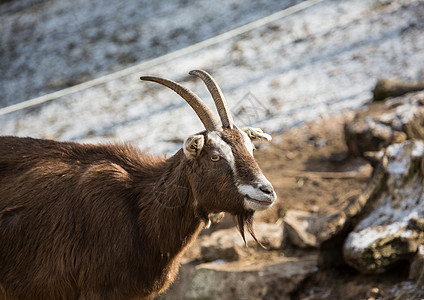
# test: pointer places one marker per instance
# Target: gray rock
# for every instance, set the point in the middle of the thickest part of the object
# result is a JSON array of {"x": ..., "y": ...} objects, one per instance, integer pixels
[
  {"x": 392, "y": 231},
  {"x": 392, "y": 87},
  {"x": 250, "y": 279},
  {"x": 183, "y": 280},
  {"x": 302, "y": 228},
  {"x": 416, "y": 270},
  {"x": 385, "y": 123},
  {"x": 228, "y": 245},
  {"x": 339, "y": 225}
]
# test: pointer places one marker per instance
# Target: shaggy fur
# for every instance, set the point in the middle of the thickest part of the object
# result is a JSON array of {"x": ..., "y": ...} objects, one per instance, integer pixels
[{"x": 105, "y": 221}]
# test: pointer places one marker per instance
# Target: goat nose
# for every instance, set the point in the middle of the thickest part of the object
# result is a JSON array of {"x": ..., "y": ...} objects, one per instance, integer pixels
[{"x": 267, "y": 189}]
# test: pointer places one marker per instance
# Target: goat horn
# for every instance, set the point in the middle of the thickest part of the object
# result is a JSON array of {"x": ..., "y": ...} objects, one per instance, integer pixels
[
  {"x": 204, "y": 113},
  {"x": 218, "y": 97}
]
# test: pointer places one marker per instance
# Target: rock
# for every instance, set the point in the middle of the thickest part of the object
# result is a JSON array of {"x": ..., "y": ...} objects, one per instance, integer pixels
[
  {"x": 392, "y": 230},
  {"x": 416, "y": 270},
  {"x": 394, "y": 87},
  {"x": 270, "y": 235},
  {"x": 385, "y": 123},
  {"x": 302, "y": 228},
  {"x": 250, "y": 279},
  {"x": 339, "y": 225},
  {"x": 179, "y": 287},
  {"x": 405, "y": 290},
  {"x": 228, "y": 245}
]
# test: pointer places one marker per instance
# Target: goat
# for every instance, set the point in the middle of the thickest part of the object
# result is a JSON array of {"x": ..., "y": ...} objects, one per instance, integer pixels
[{"x": 81, "y": 221}]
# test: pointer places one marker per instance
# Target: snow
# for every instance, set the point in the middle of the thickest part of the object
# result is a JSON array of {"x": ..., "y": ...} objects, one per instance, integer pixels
[
  {"x": 320, "y": 61},
  {"x": 399, "y": 160},
  {"x": 51, "y": 44},
  {"x": 398, "y": 164},
  {"x": 386, "y": 222},
  {"x": 418, "y": 150},
  {"x": 357, "y": 241},
  {"x": 403, "y": 201}
]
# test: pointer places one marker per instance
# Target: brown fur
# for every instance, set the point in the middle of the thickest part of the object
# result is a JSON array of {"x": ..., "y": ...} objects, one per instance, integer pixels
[{"x": 103, "y": 222}]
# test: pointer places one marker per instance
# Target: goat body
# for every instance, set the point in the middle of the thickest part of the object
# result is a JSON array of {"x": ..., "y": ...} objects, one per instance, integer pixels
[
  {"x": 107, "y": 222},
  {"x": 81, "y": 220}
]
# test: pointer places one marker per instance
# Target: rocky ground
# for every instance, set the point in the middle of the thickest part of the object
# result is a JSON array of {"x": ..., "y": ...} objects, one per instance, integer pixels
[{"x": 314, "y": 173}]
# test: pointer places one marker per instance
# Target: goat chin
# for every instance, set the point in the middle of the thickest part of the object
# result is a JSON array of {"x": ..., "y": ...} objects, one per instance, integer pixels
[{"x": 257, "y": 205}]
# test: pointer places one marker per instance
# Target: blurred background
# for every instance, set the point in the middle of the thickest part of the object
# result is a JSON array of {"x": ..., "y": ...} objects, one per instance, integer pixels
[
  {"x": 70, "y": 71},
  {"x": 295, "y": 66},
  {"x": 51, "y": 45}
]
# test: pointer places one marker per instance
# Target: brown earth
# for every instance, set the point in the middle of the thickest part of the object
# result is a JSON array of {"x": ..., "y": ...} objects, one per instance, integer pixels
[{"x": 312, "y": 170}]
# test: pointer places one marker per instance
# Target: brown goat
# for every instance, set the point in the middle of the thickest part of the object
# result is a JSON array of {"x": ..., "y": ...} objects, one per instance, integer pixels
[{"x": 108, "y": 222}]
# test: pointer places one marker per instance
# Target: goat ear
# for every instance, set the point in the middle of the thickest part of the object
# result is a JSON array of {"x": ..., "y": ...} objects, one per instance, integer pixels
[
  {"x": 193, "y": 145},
  {"x": 256, "y": 133}
]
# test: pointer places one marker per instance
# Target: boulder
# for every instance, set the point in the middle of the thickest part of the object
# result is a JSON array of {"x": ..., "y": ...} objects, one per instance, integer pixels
[
  {"x": 302, "y": 228},
  {"x": 385, "y": 223},
  {"x": 416, "y": 270},
  {"x": 392, "y": 87},
  {"x": 339, "y": 225},
  {"x": 385, "y": 123},
  {"x": 392, "y": 230},
  {"x": 228, "y": 245},
  {"x": 179, "y": 287},
  {"x": 250, "y": 279}
]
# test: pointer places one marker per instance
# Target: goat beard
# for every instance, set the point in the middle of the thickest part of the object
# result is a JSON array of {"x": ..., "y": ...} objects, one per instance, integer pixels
[{"x": 245, "y": 220}]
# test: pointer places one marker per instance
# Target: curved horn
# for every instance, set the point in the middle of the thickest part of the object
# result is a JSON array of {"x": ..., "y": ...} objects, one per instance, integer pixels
[
  {"x": 218, "y": 97},
  {"x": 205, "y": 114}
]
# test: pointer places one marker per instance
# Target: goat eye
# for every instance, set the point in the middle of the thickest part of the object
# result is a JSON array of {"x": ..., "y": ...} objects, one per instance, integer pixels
[{"x": 215, "y": 157}]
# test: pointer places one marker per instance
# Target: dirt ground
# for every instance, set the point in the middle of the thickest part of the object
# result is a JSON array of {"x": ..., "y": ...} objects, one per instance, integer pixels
[{"x": 311, "y": 170}]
